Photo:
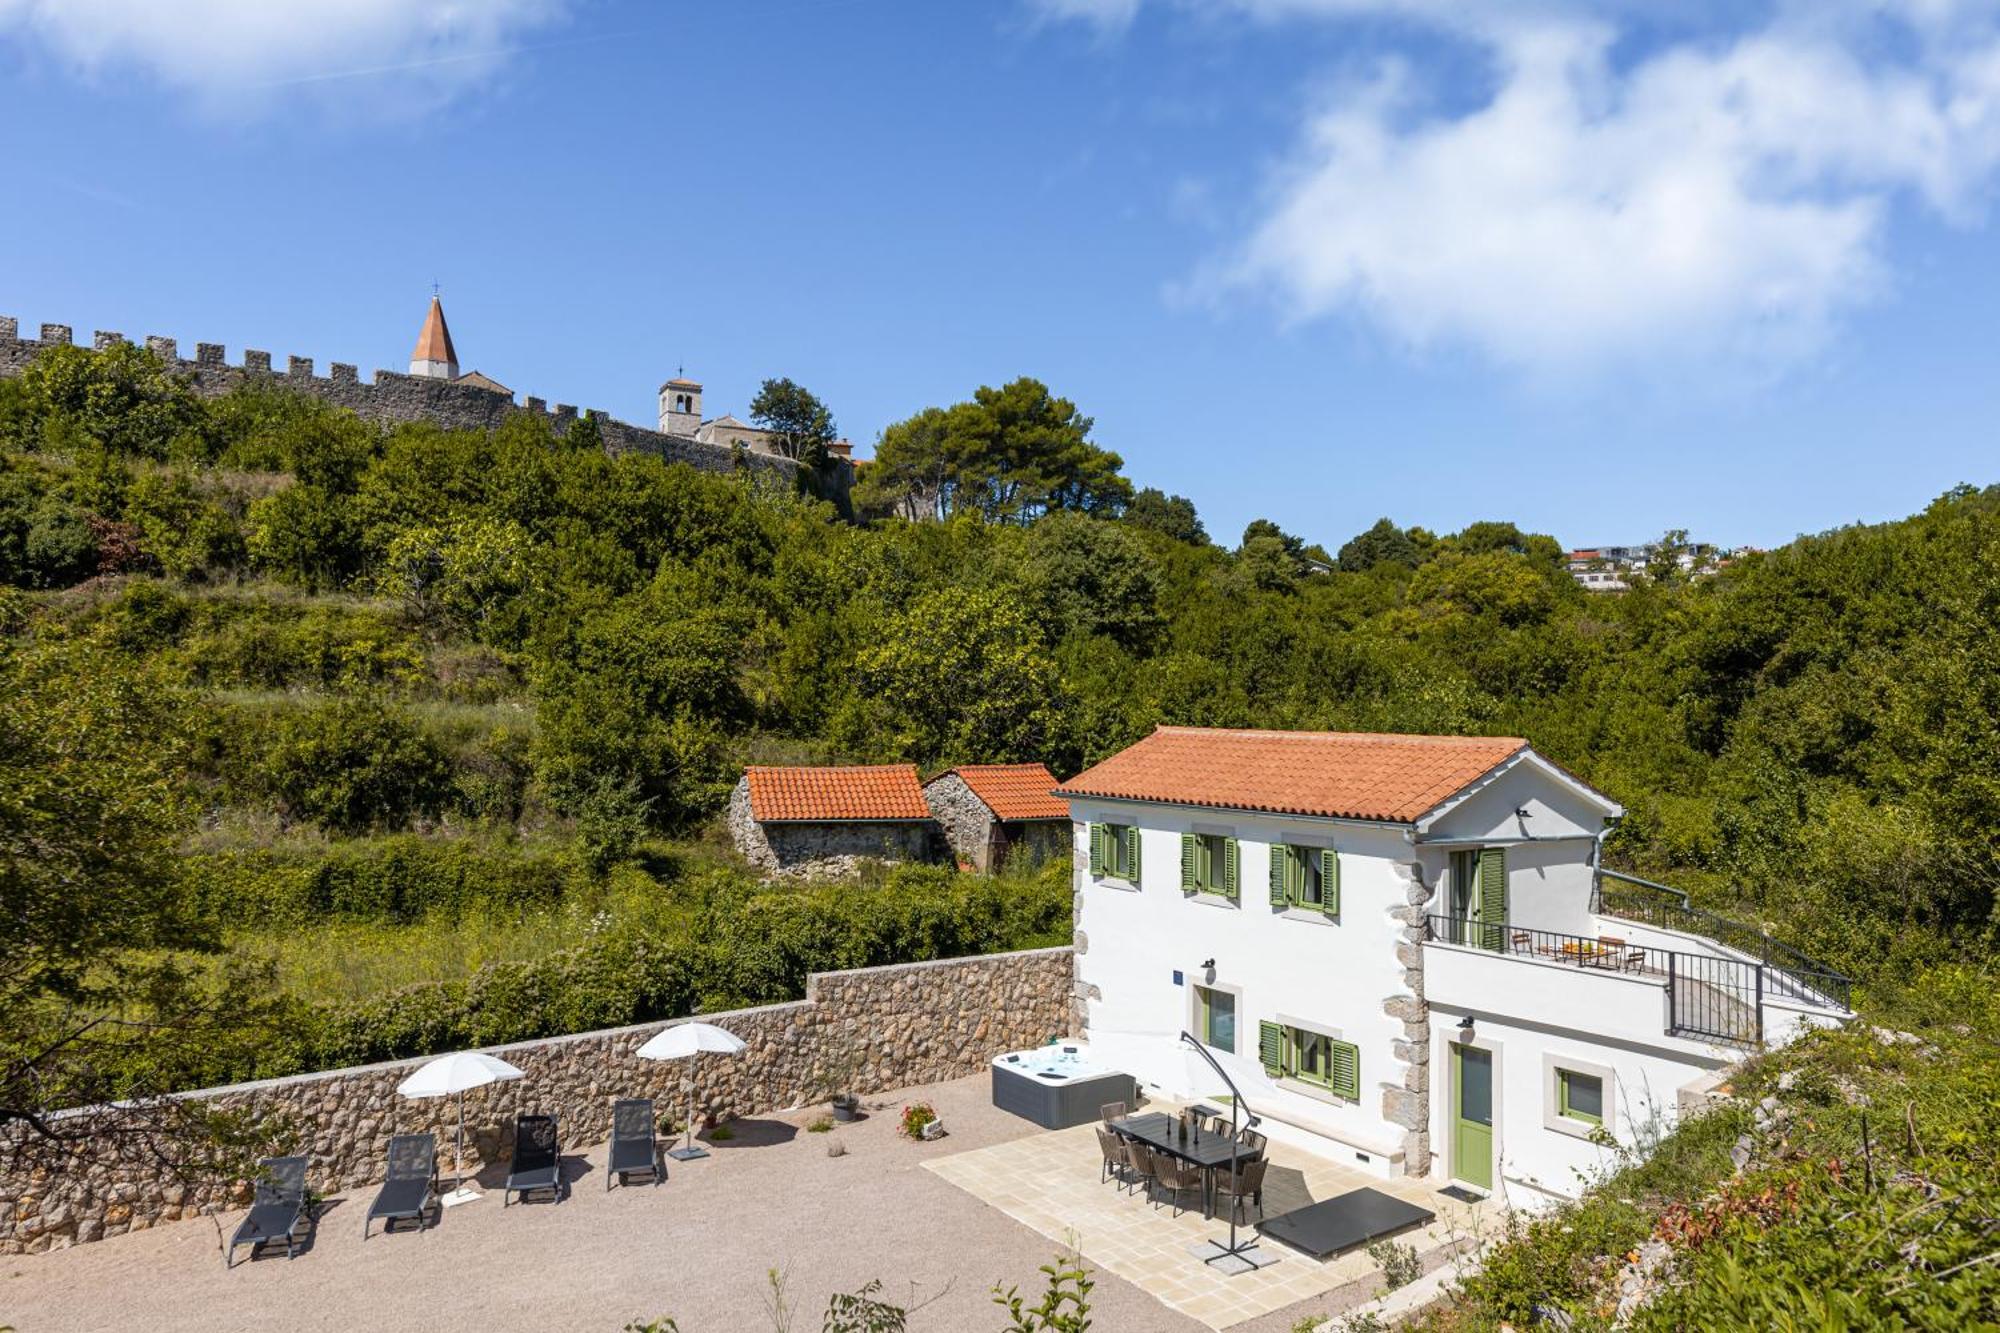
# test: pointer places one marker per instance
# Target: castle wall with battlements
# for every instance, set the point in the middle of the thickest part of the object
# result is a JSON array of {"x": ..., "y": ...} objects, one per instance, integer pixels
[{"x": 392, "y": 398}]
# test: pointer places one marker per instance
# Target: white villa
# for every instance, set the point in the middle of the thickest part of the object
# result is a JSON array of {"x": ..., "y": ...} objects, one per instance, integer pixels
[{"x": 1403, "y": 950}]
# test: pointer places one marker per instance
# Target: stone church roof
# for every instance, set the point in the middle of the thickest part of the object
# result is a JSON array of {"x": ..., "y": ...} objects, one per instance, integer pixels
[{"x": 434, "y": 343}]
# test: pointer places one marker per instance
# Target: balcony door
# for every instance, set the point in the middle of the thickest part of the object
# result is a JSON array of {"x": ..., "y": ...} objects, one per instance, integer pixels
[{"x": 1479, "y": 897}]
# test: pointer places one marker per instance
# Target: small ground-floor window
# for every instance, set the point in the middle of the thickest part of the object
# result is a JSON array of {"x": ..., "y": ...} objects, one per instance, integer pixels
[
  {"x": 1577, "y": 1095},
  {"x": 1580, "y": 1096},
  {"x": 1215, "y": 1018}
]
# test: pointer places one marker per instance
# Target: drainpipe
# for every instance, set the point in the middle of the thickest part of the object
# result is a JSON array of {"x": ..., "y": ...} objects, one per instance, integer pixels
[{"x": 1597, "y": 864}]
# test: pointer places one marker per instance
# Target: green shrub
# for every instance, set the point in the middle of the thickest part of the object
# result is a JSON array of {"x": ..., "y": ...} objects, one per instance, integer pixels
[
  {"x": 397, "y": 879},
  {"x": 354, "y": 764}
]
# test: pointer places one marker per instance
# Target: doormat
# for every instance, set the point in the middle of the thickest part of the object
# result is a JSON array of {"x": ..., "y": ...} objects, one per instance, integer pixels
[{"x": 1462, "y": 1194}]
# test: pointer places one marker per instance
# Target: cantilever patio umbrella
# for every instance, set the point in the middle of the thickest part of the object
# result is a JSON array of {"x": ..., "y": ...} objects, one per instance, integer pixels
[
  {"x": 453, "y": 1074},
  {"x": 688, "y": 1039}
]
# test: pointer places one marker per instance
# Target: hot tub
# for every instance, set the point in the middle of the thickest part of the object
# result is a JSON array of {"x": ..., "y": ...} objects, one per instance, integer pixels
[{"x": 1057, "y": 1086}]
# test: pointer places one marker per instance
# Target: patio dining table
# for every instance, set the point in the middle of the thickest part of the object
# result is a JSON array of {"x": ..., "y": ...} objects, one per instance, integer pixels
[{"x": 1166, "y": 1133}]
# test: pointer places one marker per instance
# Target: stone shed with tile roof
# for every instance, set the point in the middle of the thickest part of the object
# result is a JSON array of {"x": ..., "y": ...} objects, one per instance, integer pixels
[
  {"x": 989, "y": 812},
  {"x": 800, "y": 822}
]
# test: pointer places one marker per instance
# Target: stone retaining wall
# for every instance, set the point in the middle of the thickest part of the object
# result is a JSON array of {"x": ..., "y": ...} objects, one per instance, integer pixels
[{"x": 861, "y": 1031}]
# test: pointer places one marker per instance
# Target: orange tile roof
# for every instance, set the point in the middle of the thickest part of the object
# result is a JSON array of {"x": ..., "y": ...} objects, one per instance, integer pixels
[
  {"x": 812, "y": 795},
  {"x": 1347, "y": 775},
  {"x": 1015, "y": 791},
  {"x": 434, "y": 342}
]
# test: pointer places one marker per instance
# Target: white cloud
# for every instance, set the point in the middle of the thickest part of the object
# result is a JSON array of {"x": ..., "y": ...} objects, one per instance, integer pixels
[
  {"x": 1717, "y": 200},
  {"x": 226, "y": 53}
]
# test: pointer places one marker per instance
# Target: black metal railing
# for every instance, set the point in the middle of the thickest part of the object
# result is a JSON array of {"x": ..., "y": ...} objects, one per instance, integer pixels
[
  {"x": 1708, "y": 998},
  {"x": 1792, "y": 974}
]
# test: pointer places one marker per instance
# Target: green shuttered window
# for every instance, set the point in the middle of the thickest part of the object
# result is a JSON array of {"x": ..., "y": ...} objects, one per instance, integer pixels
[
  {"x": 1310, "y": 1057},
  {"x": 1114, "y": 852},
  {"x": 1209, "y": 864},
  {"x": 1305, "y": 877}
]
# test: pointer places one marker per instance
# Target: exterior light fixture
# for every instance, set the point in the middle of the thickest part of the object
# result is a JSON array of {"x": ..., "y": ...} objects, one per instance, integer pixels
[{"x": 1465, "y": 1028}]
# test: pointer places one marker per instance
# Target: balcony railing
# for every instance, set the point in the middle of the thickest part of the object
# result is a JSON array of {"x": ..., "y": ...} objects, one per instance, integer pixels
[
  {"x": 1791, "y": 973},
  {"x": 1708, "y": 998}
]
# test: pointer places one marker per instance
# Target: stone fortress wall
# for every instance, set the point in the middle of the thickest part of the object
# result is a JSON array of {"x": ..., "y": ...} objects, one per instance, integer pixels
[
  {"x": 861, "y": 1031},
  {"x": 392, "y": 398}
]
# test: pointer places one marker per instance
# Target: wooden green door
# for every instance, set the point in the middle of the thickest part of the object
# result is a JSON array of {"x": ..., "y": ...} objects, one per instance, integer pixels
[{"x": 1472, "y": 1115}]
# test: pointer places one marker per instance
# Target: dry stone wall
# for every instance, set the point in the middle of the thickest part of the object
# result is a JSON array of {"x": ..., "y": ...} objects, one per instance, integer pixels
[
  {"x": 860, "y": 1031},
  {"x": 392, "y": 398}
]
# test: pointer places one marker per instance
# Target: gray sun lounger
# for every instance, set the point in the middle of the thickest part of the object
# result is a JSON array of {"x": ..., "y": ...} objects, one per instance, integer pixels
[
  {"x": 537, "y": 1159},
  {"x": 278, "y": 1212},
  {"x": 409, "y": 1190},
  {"x": 635, "y": 1145}
]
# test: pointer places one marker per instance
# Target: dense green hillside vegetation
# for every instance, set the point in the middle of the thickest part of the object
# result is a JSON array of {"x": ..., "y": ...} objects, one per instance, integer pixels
[{"x": 410, "y": 738}]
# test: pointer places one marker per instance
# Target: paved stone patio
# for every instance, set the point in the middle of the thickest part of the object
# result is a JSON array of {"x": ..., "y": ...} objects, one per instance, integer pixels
[{"x": 1049, "y": 1182}]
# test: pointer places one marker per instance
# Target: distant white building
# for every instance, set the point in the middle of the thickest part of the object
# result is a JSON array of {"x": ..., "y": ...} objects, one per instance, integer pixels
[
  {"x": 1604, "y": 568},
  {"x": 1399, "y": 948}
]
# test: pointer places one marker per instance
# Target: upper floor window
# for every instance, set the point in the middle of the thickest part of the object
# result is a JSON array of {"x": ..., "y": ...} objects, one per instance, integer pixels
[
  {"x": 1114, "y": 852},
  {"x": 1307, "y": 877},
  {"x": 1208, "y": 864}
]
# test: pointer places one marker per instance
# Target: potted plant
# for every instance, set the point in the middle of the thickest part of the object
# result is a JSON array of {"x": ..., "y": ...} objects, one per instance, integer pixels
[
  {"x": 840, "y": 1075},
  {"x": 920, "y": 1121}
]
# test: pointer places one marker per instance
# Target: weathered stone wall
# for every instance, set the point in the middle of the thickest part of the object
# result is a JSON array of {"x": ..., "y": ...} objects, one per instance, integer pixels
[
  {"x": 1407, "y": 1101},
  {"x": 968, "y": 827},
  {"x": 824, "y": 851},
  {"x": 861, "y": 1031},
  {"x": 966, "y": 820},
  {"x": 392, "y": 398}
]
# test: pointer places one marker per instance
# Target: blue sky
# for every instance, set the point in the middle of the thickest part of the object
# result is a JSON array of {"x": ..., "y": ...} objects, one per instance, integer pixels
[{"x": 1313, "y": 260}]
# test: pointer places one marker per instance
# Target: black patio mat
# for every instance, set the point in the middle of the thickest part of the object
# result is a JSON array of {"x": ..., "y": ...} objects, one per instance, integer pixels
[{"x": 1343, "y": 1222}]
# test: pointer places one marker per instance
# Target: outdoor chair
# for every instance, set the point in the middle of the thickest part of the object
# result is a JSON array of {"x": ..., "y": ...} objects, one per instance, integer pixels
[
  {"x": 635, "y": 1147},
  {"x": 1111, "y": 1111},
  {"x": 1176, "y": 1176},
  {"x": 1145, "y": 1167},
  {"x": 277, "y": 1212},
  {"x": 1253, "y": 1142},
  {"x": 1247, "y": 1183},
  {"x": 409, "y": 1189},
  {"x": 1117, "y": 1164},
  {"x": 537, "y": 1161},
  {"x": 1217, "y": 1125},
  {"x": 1620, "y": 955}
]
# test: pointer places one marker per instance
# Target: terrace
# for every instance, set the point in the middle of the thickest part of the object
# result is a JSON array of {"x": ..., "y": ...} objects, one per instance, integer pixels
[{"x": 946, "y": 1219}]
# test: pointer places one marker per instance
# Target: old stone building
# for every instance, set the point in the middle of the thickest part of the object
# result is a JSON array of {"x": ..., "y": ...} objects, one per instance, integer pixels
[
  {"x": 680, "y": 416},
  {"x": 989, "y": 812},
  {"x": 798, "y": 822}
]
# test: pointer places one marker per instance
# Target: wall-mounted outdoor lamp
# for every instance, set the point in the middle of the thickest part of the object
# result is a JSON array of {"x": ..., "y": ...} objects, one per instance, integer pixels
[{"x": 1465, "y": 1028}]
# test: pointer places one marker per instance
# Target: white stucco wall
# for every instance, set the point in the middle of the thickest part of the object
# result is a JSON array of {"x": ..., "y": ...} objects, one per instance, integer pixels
[
  {"x": 1331, "y": 975},
  {"x": 1539, "y": 1164}
]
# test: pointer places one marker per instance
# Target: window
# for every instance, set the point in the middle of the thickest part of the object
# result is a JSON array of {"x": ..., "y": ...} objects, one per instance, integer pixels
[
  {"x": 1215, "y": 1018},
  {"x": 1580, "y": 1096},
  {"x": 1208, "y": 864},
  {"x": 1310, "y": 1057},
  {"x": 1114, "y": 852},
  {"x": 1306, "y": 877}
]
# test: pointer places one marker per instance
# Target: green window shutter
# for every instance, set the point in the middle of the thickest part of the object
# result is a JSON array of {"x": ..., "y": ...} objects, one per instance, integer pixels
[
  {"x": 1493, "y": 898},
  {"x": 1132, "y": 851},
  {"x": 1271, "y": 1047},
  {"x": 1096, "y": 849},
  {"x": 1346, "y": 1069},
  {"x": 1329, "y": 881},
  {"x": 1229, "y": 868},
  {"x": 1279, "y": 856},
  {"x": 1190, "y": 856}
]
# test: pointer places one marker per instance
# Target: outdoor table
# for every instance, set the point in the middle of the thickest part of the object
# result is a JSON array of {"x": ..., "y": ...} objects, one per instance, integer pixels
[
  {"x": 1343, "y": 1222},
  {"x": 1207, "y": 1151}
]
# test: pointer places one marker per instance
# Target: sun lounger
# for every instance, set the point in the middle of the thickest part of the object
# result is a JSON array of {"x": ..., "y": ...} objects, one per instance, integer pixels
[
  {"x": 278, "y": 1211},
  {"x": 409, "y": 1189},
  {"x": 635, "y": 1147},
  {"x": 537, "y": 1159}
]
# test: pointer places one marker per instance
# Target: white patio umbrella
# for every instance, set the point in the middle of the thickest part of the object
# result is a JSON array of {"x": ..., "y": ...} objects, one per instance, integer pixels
[
  {"x": 680, "y": 1041},
  {"x": 450, "y": 1075}
]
